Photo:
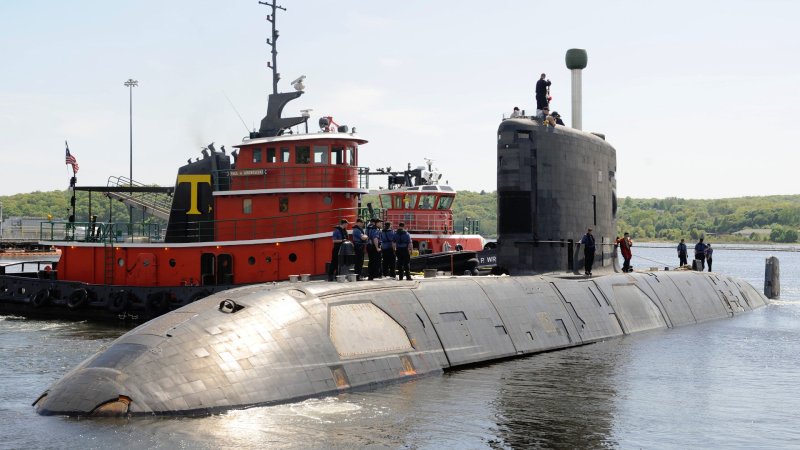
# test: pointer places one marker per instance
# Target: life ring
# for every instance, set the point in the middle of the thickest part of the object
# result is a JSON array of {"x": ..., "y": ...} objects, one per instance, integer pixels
[
  {"x": 118, "y": 301},
  {"x": 41, "y": 298},
  {"x": 77, "y": 298}
]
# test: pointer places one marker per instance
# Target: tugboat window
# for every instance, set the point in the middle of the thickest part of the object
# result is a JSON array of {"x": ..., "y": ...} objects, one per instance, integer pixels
[
  {"x": 410, "y": 201},
  {"x": 285, "y": 155},
  {"x": 272, "y": 156},
  {"x": 351, "y": 156},
  {"x": 251, "y": 260},
  {"x": 320, "y": 154},
  {"x": 283, "y": 204},
  {"x": 247, "y": 206},
  {"x": 398, "y": 202},
  {"x": 426, "y": 201},
  {"x": 292, "y": 257},
  {"x": 445, "y": 202},
  {"x": 172, "y": 262},
  {"x": 121, "y": 262},
  {"x": 302, "y": 155},
  {"x": 256, "y": 155},
  {"x": 337, "y": 155},
  {"x": 385, "y": 201}
]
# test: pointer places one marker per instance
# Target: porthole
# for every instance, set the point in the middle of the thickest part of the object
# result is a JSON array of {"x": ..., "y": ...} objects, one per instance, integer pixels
[
  {"x": 121, "y": 262},
  {"x": 327, "y": 200},
  {"x": 292, "y": 257},
  {"x": 172, "y": 262},
  {"x": 251, "y": 260},
  {"x": 268, "y": 259}
]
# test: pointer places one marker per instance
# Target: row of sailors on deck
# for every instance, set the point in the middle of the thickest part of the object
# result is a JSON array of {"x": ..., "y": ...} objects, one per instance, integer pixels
[
  {"x": 387, "y": 249},
  {"x": 542, "y": 114}
]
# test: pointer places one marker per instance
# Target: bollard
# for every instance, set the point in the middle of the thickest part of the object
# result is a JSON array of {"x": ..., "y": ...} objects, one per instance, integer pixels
[
  {"x": 294, "y": 278},
  {"x": 430, "y": 273},
  {"x": 305, "y": 277},
  {"x": 772, "y": 278}
]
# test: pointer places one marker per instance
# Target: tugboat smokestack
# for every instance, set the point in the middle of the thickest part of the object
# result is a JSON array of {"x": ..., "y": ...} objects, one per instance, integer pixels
[{"x": 576, "y": 61}]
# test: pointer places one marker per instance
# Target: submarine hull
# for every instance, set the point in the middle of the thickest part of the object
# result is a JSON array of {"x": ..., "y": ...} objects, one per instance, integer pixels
[{"x": 266, "y": 344}]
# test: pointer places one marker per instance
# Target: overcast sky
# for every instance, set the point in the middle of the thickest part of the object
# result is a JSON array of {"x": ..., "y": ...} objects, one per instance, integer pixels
[{"x": 699, "y": 98}]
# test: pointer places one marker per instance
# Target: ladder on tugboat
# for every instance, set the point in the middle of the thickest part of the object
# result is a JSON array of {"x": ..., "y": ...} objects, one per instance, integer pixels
[
  {"x": 363, "y": 177},
  {"x": 154, "y": 203}
]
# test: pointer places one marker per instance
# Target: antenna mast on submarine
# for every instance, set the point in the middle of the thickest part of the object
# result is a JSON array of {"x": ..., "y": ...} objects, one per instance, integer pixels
[{"x": 272, "y": 42}]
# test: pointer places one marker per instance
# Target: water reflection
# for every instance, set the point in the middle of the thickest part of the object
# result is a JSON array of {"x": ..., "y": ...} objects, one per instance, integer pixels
[{"x": 559, "y": 399}]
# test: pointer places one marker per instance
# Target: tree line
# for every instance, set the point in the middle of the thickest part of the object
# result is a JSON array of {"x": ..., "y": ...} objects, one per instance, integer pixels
[
  {"x": 770, "y": 218},
  {"x": 56, "y": 205}
]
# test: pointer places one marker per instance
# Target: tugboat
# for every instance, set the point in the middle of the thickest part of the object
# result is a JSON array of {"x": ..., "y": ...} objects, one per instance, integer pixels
[
  {"x": 416, "y": 198},
  {"x": 261, "y": 213}
]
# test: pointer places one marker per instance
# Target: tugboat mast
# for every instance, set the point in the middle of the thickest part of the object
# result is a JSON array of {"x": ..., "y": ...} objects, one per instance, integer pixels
[
  {"x": 273, "y": 124},
  {"x": 273, "y": 43}
]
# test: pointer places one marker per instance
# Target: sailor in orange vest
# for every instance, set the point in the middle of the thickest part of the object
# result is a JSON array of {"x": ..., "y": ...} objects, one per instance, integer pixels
[{"x": 625, "y": 243}]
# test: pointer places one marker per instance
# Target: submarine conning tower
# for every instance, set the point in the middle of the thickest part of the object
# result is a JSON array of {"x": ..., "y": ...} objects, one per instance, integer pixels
[{"x": 552, "y": 184}]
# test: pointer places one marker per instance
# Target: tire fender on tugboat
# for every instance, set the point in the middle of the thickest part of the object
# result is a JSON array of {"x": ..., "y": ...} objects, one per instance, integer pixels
[
  {"x": 157, "y": 303},
  {"x": 41, "y": 298},
  {"x": 118, "y": 301},
  {"x": 77, "y": 298}
]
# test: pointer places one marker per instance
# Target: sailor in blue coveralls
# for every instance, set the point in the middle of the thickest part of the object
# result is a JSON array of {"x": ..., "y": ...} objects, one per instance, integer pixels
[
  {"x": 339, "y": 236},
  {"x": 387, "y": 250},
  {"x": 374, "y": 248},
  {"x": 359, "y": 242},
  {"x": 403, "y": 242}
]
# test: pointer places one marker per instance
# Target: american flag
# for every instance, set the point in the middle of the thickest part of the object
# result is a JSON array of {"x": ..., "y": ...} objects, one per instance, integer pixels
[{"x": 70, "y": 159}]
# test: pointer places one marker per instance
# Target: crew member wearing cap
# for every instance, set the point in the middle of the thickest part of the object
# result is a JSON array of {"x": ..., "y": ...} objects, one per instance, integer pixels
[
  {"x": 541, "y": 92},
  {"x": 388, "y": 247},
  {"x": 374, "y": 249},
  {"x": 557, "y": 116},
  {"x": 339, "y": 236},
  {"x": 403, "y": 241},
  {"x": 359, "y": 241},
  {"x": 587, "y": 241}
]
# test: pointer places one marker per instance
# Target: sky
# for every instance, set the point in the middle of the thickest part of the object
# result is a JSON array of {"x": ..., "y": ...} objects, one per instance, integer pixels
[{"x": 701, "y": 99}]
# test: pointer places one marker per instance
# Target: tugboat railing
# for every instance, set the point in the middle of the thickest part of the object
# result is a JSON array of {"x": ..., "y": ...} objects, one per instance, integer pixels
[
  {"x": 270, "y": 227},
  {"x": 100, "y": 232},
  {"x": 427, "y": 221}
]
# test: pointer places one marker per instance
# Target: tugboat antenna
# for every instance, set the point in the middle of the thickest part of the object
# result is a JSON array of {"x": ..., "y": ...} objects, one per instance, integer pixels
[
  {"x": 237, "y": 111},
  {"x": 273, "y": 43}
]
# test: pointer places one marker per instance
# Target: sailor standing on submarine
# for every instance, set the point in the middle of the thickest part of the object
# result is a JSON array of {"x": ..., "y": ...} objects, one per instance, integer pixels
[
  {"x": 374, "y": 248},
  {"x": 403, "y": 240},
  {"x": 359, "y": 241},
  {"x": 587, "y": 241},
  {"x": 339, "y": 236}
]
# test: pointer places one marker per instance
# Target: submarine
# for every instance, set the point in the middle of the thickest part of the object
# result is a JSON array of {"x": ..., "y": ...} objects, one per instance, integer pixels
[{"x": 282, "y": 342}]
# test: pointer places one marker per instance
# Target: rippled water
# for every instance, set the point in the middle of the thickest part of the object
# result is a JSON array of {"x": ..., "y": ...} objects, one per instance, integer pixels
[{"x": 731, "y": 383}]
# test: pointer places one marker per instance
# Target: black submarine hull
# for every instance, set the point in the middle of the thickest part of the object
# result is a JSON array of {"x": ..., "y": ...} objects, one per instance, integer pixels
[{"x": 261, "y": 345}]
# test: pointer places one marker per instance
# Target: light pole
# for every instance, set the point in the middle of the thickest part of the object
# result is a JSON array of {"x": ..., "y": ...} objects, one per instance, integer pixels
[{"x": 130, "y": 84}]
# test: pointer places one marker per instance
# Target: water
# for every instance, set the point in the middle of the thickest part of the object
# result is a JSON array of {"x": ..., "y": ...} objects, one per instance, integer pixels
[{"x": 730, "y": 383}]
